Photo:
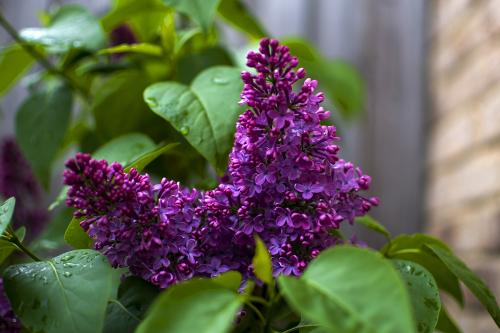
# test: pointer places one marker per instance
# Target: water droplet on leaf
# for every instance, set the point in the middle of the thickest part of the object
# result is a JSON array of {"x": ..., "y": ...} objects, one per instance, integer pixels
[
  {"x": 220, "y": 80},
  {"x": 185, "y": 130}
]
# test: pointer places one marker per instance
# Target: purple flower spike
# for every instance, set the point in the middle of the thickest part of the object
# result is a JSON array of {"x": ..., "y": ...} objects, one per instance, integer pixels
[{"x": 285, "y": 182}]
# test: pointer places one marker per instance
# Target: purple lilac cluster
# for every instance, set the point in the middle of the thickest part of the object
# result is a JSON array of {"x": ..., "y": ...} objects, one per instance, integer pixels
[
  {"x": 8, "y": 320},
  {"x": 17, "y": 180},
  {"x": 284, "y": 183}
]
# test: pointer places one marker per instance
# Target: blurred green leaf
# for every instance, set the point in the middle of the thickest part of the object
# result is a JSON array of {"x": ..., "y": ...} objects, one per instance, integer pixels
[
  {"x": 262, "y": 265},
  {"x": 168, "y": 34},
  {"x": 14, "y": 62},
  {"x": 41, "y": 124},
  {"x": 52, "y": 237},
  {"x": 412, "y": 248},
  {"x": 72, "y": 27},
  {"x": 334, "y": 294},
  {"x": 236, "y": 13},
  {"x": 230, "y": 280},
  {"x": 445, "y": 324},
  {"x": 125, "y": 313},
  {"x": 471, "y": 280},
  {"x": 341, "y": 82},
  {"x": 117, "y": 105},
  {"x": 143, "y": 160},
  {"x": 370, "y": 223},
  {"x": 198, "y": 305},
  {"x": 424, "y": 294},
  {"x": 200, "y": 11},
  {"x": 60, "y": 198},
  {"x": 193, "y": 63},
  {"x": 125, "y": 149},
  {"x": 66, "y": 294},
  {"x": 204, "y": 113},
  {"x": 124, "y": 10},
  {"x": 343, "y": 85},
  {"x": 141, "y": 48},
  {"x": 6, "y": 212},
  {"x": 76, "y": 236},
  {"x": 7, "y": 248}
]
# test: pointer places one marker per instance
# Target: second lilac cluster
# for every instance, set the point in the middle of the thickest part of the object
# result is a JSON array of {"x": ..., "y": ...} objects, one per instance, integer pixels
[{"x": 284, "y": 183}]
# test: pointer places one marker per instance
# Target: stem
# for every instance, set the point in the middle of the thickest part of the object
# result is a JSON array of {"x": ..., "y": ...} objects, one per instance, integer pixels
[
  {"x": 257, "y": 312},
  {"x": 260, "y": 300},
  {"x": 298, "y": 328},
  {"x": 23, "y": 248},
  {"x": 40, "y": 58}
]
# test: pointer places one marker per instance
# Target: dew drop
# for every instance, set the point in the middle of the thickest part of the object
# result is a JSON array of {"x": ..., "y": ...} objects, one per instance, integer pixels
[
  {"x": 67, "y": 274},
  {"x": 67, "y": 257},
  {"x": 185, "y": 130},
  {"x": 152, "y": 102},
  {"x": 220, "y": 80}
]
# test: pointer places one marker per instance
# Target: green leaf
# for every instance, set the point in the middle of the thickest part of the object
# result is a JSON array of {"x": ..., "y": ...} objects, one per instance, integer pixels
[
  {"x": 6, "y": 247},
  {"x": 204, "y": 113},
  {"x": 41, "y": 124},
  {"x": 193, "y": 63},
  {"x": 76, "y": 236},
  {"x": 199, "y": 305},
  {"x": 125, "y": 313},
  {"x": 125, "y": 149},
  {"x": 230, "y": 280},
  {"x": 335, "y": 293},
  {"x": 236, "y": 13},
  {"x": 117, "y": 105},
  {"x": 6, "y": 212},
  {"x": 52, "y": 237},
  {"x": 128, "y": 9},
  {"x": 141, "y": 48},
  {"x": 412, "y": 248},
  {"x": 445, "y": 324},
  {"x": 72, "y": 27},
  {"x": 14, "y": 62},
  {"x": 373, "y": 224},
  {"x": 60, "y": 198},
  {"x": 471, "y": 280},
  {"x": 200, "y": 11},
  {"x": 424, "y": 294},
  {"x": 67, "y": 294},
  {"x": 343, "y": 85},
  {"x": 143, "y": 160},
  {"x": 262, "y": 265}
]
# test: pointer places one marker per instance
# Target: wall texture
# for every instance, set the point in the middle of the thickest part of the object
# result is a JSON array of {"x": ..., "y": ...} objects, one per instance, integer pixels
[{"x": 463, "y": 167}]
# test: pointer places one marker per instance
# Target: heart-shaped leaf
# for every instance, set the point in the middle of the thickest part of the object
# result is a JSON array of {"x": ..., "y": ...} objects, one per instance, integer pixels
[
  {"x": 412, "y": 248},
  {"x": 6, "y": 212},
  {"x": 204, "y": 113},
  {"x": 41, "y": 124},
  {"x": 424, "y": 294},
  {"x": 200, "y": 305},
  {"x": 335, "y": 292},
  {"x": 72, "y": 27},
  {"x": 67, "y": 294},
  {"x": 126, "y": 312}
]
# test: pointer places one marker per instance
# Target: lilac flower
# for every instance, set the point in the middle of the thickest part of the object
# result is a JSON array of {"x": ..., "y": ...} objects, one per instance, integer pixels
[
  {"x": 285, "y": 182},
  {"x": 17, "y": 180},
  {"x": 308, "y": 189},
  {"x": 122, "y": 34},
  {"x": 9, "y": 323}
]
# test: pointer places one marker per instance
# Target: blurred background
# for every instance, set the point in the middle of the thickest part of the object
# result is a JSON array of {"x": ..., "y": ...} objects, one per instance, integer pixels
[{"x": 429, "y": 134}]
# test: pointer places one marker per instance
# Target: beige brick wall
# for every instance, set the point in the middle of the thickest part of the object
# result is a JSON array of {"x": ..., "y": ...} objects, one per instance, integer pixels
[{"x": 463, "y": 164}]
